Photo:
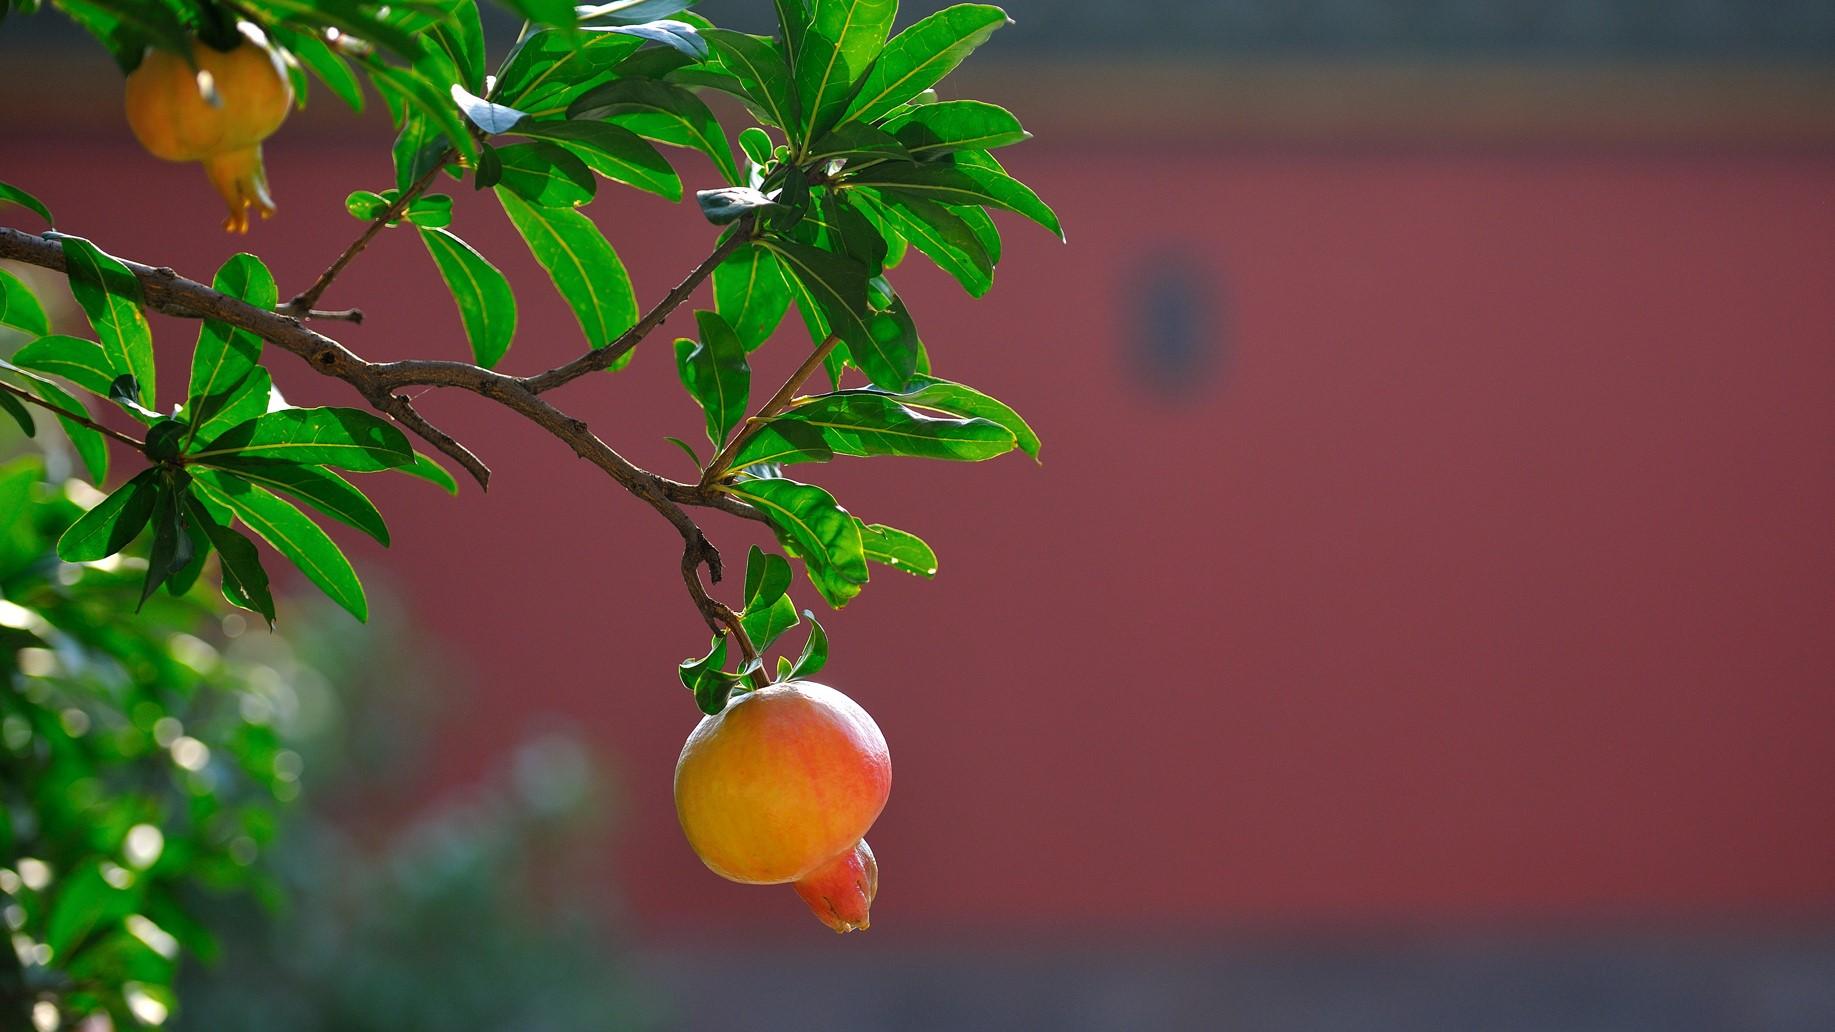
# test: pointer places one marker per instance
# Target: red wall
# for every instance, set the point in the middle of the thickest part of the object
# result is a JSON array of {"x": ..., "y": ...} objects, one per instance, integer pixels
[{"x": 1489, "y": 576}]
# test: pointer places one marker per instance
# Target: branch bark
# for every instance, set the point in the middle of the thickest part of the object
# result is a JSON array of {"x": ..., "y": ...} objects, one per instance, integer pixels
[
  {"x": 27, "y": 396},
  {"x": 166, "y": 291}
]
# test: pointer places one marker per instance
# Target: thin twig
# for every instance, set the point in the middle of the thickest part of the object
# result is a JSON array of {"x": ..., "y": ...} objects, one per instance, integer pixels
[
  {"x": 28, "y": 396},
  {"x": 780, "y": 401},
  {"x": 604, "y": 358},
  {"x": 302, "y": 302},
  {"x": 350, "y": 315}
]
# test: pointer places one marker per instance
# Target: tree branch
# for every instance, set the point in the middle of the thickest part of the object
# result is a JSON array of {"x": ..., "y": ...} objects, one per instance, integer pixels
[
  {"x": 603, "y": 358},
  {"x": 779, "y": 402},
  {"x": 166, "y": 291},
  {"x": 28, "y": 396}
]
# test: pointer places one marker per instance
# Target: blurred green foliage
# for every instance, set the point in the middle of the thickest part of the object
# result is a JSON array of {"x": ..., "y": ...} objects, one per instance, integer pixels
[{"x": 158, "y": 865}]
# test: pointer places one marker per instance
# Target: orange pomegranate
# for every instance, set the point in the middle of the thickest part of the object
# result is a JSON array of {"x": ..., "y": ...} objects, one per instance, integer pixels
[
  {"x": 216, "y": 113},
  {"x": 781, "y": 786}
]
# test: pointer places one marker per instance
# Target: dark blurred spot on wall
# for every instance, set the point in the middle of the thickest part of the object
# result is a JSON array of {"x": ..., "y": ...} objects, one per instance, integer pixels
[{"x": 1178, "y": 340}]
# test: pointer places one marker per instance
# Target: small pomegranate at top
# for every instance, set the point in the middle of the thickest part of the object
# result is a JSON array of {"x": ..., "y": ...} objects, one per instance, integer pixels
[
  {"x": 780, "y": 786},
  {"x": 214, "y": 108}
]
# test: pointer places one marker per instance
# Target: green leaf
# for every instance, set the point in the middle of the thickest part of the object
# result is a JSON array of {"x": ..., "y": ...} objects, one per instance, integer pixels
[
  {"x": 328, "y": 65},
  {"x": 84, "y": 902},
  {"x": 898, "y": 549},
  {"x": 460, "y": 34},
  {"x": 919, "y": 57},
  {"x": 687, "y": 448},
  {"x": 1009, "y": 193},
  {"x": 958, "y": 184},
  {"x": 869, "y": 423},
  {"x": 291, "y": 533},
  {"x": 316, "y": 486},
  {"x": 111, "y": 297},
  {"x": 875, "y": 341},
  {"x": 486, "y": 305},
  {"x": 679, "y": 36},
  {"x": 934, "y": 130},
  {"x": 832, "y": 56},
  {"x": 12, "y": 407},
  {"x": 856, "y": 140},
  {"x": 113, "y": 523},
  {"x": 815, "y": 653},
  {"x": 224, "y": 355},
  {"x": 757, "y": 145},
  {"x": 429, "y": 470},
  {"x": 367, "y": 205},
  {"x": 941, "y": 234},
  {"x": 956, "y": 399},
  {"x": 705, "y": 677},
  {"x": 19, "y": 307},
  {"x": 10, "y": 194},
  {"x": 761, "y": 71},
  {"x": 438, "y": 108},
  {"x": 749, "y": 293},
  {"x": 792, "y": 22},
  {"x": 90, "y": 445},
  {"x": 809, "y": 523},
  {"x": 782, "y": 443},
  {"x": 182, "y": 579},
  {"x": 766, "y": 623},
  {"x": 545, "y": 175},
  {"x": 430, "y": 211},
  {"x": 245, "y": 582},
  {"x": 244, "y": 400},
  {"x": 727, "y": 203},
  {"x": 79, "y": 361},
  {"x": 716, "y": 374},
  {"x": 552, "y": 67},
  {"x": 661, "y": 112},
  {"x": 767, "y": 577},
  {"x": 614, "y": 152},
  {"x": 347, "y": 438},
  {"x": 581, "y": 263},
  {"x": 492, "y": 118},
  {"x": 172, "y": 545}
]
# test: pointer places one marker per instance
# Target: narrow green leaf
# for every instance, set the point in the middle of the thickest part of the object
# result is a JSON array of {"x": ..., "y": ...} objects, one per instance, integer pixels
[
  {"x": 245, "y": 582},
  {"x": 875, "y": 341},
  {"x": 438, "y": 108},
  {"x": 612, "y": 151},
  {"x": 919, "y": 57},
  {"x": 79, "y": 361},
  {"x": 182, "y": 579},
  {"x": 224, "y": 355},
  {"x": 809, "y": 523},
  {"x": 553, "y": 67},
  {"x": 661, "y": 112},
  {"x": 113, "y": 523},
  {"x": 833, "y": 55},
  {"x": 316, "y": 486},
  {"x": 869, "y": 423},
  {"x": 431, "y": 471},
  {"x": 486, "y": 305},
  {"x": 943, "y": 235},
  {"x": 749, "y": 293},
  {"x": 545, "y": 174},
  {"x": 783, "y": 442},
  {"x": 815, "y": 653},
  {"x": 90, "y": 445},
  {"x": 856, "y": 141},
  {"x": 19, "y": 307},
  {"x": 330, "y": 67},
  {"x": 10, "y": 194},
  {"x": 581, "y": 263},
  {"x": 14, "y": 408},
  {"x": 934, "y": 130},
  {"x": 240, "y": 402},
  {"x": 110, "y": 295},
  {"x": 792, "y": 22},
  {"x": 347, "y": 438},
  {"x": 954, "y": 398},
  {"x": 1007, "y": 192},
  {"x": 958, "y": 184},
  {"x": 898, "y": 549},
  {"x": 172, "y": 545},
  {"x": 716, "y": 374},
  {"x": 687, "y": 449},
  {"x": 762, "y": 73},
  {"x": 291, "y": 533}
]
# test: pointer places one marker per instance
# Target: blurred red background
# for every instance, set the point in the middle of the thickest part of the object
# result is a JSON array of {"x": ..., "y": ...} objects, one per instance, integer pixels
[{"x": 1457, "y": 547}]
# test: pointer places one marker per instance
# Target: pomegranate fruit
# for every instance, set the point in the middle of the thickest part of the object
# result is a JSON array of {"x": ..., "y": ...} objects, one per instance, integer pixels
[
  {"x": 216, "y": 113},
  {"x": 781, "y": 786}
]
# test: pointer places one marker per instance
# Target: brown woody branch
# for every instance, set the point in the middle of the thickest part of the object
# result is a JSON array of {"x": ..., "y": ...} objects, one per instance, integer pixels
[
  {"x": 780, "y": 401},
  {"x": 166, "y": 291}
]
